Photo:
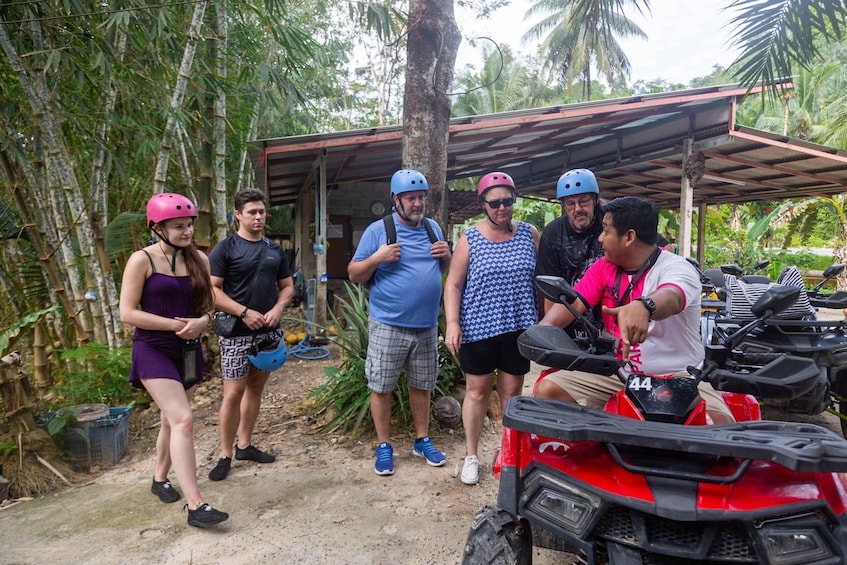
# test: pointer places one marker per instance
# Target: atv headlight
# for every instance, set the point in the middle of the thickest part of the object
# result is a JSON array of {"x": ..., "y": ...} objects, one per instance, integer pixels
[
  {"x": 793, "y": 546},
  {"x": 565, "y": 505}
]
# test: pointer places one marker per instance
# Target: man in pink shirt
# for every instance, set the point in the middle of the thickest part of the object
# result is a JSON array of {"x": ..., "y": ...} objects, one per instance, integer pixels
[{"x": 651, "y": 302}]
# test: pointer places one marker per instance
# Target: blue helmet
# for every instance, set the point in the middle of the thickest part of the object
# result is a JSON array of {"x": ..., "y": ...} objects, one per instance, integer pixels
[
  {"x": 577, "y": 181},
  {"x": 408, "y": 180},
  {"x": 268, "y": 354}
]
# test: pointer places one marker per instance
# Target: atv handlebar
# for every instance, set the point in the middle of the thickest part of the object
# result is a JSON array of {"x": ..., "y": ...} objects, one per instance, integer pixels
[{"x": 781, "y": 376}]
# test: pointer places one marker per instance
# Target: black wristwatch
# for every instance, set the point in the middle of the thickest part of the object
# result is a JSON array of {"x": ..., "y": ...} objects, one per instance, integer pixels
[
  {"x": 244, "y": 314},
  {"x": 649, "y": 304}
]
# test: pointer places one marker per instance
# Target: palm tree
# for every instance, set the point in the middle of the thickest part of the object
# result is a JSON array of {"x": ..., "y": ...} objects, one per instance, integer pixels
[
  {"x": 503, "y": 83},
  {"x": 583, "y": 34}
]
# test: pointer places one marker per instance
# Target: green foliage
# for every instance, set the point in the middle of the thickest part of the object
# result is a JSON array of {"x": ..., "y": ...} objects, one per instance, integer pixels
[
  {"x": 8, "y": 447},
  {"x": 803, "y": 260},
  {"x": 62, "y": 425},
  {"x": 344, "y": 399},
  {"x": 8, "y": 337},
  {"x": 61, "y": 422},
  {"x": 536, "y": 212},
  {"x": 95, "y": 374}
]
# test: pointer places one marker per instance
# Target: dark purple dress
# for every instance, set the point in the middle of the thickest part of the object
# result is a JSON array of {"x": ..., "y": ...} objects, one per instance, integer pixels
[{"x": 158, "y": 354}]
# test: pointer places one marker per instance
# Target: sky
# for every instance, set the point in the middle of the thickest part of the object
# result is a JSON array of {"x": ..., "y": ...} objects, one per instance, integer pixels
[{"x": 686, "y": 38}]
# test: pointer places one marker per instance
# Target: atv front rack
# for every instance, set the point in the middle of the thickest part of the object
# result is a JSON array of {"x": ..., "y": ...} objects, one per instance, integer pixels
[{"x": 804, "y": 448}]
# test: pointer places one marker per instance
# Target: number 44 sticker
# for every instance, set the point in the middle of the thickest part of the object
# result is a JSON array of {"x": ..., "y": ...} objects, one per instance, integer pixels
[{"x": 640, "y": 383}]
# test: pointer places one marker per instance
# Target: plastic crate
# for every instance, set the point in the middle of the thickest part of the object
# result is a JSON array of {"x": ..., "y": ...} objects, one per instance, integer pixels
[{"x": 101, "y": 442}]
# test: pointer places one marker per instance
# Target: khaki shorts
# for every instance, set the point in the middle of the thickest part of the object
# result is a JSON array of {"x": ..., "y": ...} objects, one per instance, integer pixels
[{"x": 593, "y": 391}]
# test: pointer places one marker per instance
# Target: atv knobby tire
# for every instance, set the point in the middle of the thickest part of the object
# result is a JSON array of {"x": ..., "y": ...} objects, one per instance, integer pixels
[{"x": 496, "y": 537}]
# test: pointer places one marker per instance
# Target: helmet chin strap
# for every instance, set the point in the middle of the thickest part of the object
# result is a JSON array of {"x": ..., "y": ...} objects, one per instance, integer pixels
[
  {"x": 176, "y": 249},
  {"x": 401, "y": 211}
]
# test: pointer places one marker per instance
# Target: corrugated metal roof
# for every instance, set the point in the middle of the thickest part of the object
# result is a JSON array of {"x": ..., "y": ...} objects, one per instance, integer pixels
[{"x": 634, "y": 145}]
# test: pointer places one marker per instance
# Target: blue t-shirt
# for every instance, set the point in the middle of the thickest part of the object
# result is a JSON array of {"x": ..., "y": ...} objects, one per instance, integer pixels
[{"x": 405, "y": 293}]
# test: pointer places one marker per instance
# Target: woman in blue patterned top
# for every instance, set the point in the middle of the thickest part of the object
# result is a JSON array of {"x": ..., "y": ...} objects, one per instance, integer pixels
[{"x": 489, "y": 299}]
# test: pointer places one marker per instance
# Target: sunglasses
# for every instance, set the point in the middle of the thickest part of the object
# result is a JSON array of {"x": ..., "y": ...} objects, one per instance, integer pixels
[{"x": 494, "y": 204}]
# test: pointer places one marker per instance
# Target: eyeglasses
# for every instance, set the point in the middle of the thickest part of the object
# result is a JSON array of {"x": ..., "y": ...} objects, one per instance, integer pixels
[
  {"x": 582, "y": 203},
  {"x": 494, "y": 204},
  {"x": 412, "y": 199}
]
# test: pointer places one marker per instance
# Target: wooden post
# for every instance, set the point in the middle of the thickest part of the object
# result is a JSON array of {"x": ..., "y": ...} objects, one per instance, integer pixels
[{"x": 686, "y": 203}]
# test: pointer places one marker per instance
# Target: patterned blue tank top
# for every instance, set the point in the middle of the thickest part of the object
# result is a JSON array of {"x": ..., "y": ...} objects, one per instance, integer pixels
[{"x": 499, "y": 295}]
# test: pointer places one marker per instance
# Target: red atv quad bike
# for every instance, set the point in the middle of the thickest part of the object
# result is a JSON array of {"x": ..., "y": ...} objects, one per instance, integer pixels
[{"x": 647, "y": 481}]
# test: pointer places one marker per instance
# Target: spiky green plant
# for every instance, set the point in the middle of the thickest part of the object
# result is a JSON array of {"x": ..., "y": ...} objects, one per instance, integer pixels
[{"x": 343, "y": 401}]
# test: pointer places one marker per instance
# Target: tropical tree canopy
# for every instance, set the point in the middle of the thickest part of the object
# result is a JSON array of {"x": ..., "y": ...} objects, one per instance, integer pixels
[{"x": 581, "y": 35}]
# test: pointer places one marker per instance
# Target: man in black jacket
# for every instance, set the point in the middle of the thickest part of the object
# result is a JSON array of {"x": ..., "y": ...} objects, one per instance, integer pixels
[{"x": 569, "y": 244}]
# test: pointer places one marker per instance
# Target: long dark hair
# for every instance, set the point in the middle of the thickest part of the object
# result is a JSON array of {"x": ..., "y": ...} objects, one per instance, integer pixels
[{"x": 201, "y": 283}]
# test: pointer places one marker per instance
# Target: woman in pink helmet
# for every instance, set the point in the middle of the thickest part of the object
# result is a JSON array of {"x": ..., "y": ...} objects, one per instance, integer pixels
[
  {"x": 489, "y": 299},
  {"x": 166, "y": 295}
]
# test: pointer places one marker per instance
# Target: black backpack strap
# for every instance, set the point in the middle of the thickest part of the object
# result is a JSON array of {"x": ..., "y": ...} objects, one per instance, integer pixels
[
  {"x": 429, "y": 231},
  {"x": 390, "y": 229}
]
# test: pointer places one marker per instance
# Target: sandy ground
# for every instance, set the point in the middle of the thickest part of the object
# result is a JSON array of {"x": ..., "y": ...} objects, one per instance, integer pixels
[{"x": 320, "y": 502}]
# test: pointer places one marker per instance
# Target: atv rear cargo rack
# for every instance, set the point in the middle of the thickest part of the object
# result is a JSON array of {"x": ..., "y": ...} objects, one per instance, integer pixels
[{"x": 804, "y": 448}]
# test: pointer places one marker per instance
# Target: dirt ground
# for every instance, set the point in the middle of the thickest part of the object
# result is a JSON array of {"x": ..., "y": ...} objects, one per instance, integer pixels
[{"x": 320, "y": 502}]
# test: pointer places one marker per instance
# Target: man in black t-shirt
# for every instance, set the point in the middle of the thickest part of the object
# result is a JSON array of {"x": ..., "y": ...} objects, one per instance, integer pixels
[
  {"x": 250, "y": 279},
  {"x": 569, "y": 244}
]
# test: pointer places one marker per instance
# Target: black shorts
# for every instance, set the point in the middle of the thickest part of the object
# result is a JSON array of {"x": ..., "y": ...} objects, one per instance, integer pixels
[{"x": 498, "y": 352}]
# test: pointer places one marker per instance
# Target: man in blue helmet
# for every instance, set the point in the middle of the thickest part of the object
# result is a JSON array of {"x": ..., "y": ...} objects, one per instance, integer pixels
[
  {"x": 405, "y": 292},
  {"x": 569, "y": 244}
]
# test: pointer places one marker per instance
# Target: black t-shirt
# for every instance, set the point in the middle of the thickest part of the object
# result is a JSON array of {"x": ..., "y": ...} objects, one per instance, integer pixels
[
  {"x": 565, "y": 253},
  {"x": 235, "y": 259}
]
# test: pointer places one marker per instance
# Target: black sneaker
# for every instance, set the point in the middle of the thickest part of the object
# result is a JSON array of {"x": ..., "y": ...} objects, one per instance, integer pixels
[
  {"x": 221, "y": 470},
  {"x": 165, "y": 491},
  {"x": 251, "y": 453},
  {"x": 205, "y": 516}
]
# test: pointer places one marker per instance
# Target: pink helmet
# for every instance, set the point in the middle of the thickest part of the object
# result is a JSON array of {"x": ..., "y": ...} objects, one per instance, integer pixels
[
  {"x": 167, "y": 206},
  {"x": 495, "y": 179}
]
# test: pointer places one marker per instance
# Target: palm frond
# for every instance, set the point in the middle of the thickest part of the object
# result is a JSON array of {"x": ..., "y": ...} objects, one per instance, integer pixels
[{"x": 774, "y": 34}]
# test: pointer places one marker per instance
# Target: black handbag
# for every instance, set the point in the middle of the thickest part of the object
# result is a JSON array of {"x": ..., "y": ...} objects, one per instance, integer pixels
[{"x": 225, "y": 324}]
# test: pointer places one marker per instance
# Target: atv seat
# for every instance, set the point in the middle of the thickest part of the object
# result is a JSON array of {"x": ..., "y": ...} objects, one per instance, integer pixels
[{"x": 744, "y": 407}]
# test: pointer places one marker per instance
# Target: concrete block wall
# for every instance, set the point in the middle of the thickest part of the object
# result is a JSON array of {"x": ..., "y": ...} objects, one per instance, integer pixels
[{"x": 355, "y": 201}]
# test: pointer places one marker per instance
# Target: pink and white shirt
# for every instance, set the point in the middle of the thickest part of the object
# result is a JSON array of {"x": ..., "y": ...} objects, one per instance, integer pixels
[{"x": 672, "y": 344}]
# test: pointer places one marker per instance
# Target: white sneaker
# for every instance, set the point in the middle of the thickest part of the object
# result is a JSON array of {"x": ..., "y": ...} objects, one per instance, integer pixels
[{"x": 470, "y": 470}]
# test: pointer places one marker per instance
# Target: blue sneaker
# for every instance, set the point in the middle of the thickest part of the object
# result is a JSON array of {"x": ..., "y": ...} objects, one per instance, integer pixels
[
  {"x": 384, "y": 460},
  {"x": 423, "y": 448}
]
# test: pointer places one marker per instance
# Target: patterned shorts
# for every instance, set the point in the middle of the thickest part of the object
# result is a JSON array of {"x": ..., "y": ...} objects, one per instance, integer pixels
[
  {"x": 390, "y": 348},
  {"x": 234, "y": 363}
]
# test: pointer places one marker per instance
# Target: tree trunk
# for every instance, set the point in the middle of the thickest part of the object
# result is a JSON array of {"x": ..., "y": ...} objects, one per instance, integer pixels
[
  {"x": 193, "y": 35},
  {"x": 433, "y": 41},
  {"x": 219, "y": 199}
]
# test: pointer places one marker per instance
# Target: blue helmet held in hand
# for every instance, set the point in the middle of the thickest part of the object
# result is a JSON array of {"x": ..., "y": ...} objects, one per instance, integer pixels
[
  {"x": 268, "y": 354},
  {"x": 577, "y": 181}
]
